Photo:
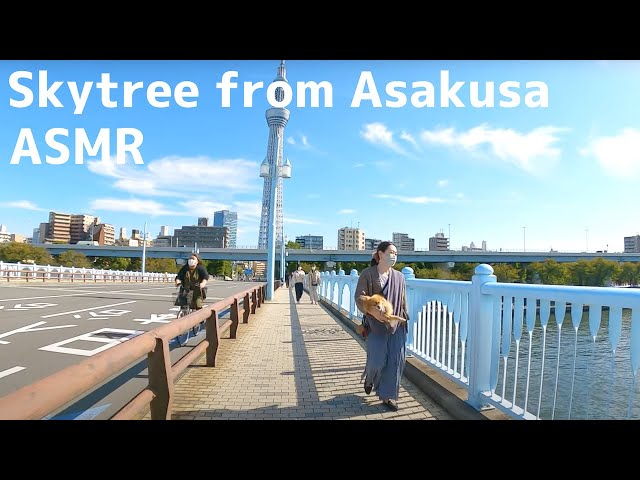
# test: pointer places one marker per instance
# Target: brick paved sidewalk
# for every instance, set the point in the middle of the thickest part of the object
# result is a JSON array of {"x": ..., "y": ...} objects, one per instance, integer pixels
[{"x": 291, "y": 361}]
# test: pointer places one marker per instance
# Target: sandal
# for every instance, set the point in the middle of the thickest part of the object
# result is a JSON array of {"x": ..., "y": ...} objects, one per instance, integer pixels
[{"x": 391, "y": 404}]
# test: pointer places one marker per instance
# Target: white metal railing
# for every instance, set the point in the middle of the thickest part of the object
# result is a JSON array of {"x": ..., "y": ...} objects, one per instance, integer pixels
[
  {"x": 31, "y": 272},
  {"x": 505, "y": 343}
]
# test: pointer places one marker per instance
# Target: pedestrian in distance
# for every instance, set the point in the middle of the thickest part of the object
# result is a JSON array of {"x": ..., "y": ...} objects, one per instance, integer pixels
[
  {"x": 385, "y": 344},
  {"x": 313, "y": 280},
  {"x": 298, "y": 282}
]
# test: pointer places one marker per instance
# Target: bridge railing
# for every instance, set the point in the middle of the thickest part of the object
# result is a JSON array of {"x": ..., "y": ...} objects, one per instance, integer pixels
[
  {"x": 505, "y": 343},
  {"x": 43, "y": 273},
  {"x": 50, "y": 394}
]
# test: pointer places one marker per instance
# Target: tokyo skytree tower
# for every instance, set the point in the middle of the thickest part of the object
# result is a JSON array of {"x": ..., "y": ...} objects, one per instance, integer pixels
[{"x": 277, "y": 119}]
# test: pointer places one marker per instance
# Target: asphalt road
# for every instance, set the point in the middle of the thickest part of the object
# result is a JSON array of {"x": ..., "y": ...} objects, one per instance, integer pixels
[{"x": 47, "y": 327}]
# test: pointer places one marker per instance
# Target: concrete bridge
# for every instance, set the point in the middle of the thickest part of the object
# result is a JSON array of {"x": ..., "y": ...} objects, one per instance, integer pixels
[{"x": 305, "y": 255}]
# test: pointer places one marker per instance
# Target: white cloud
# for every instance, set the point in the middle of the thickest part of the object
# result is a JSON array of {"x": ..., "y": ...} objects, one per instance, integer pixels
[
  {"x": 443, "y": 183},
  {"x": 346, "y": 211},
  {"x": 358, "y": 165},
  {"x": 297, "y": 221},
  {"x": 303, "y": 142},
  {"x": 406, "y": 199},
  {"x": 24, "y": 204},
  {"x": 168, "y": 176},
  {"x": 378, "y": 134},
  {"x": 135, "y": 205},
  {"x": 618, "y": 155},
  {"x": 533, "y": 151},
  {"x": 409, "y": 138},
  {"x": 248, "y": 210}
]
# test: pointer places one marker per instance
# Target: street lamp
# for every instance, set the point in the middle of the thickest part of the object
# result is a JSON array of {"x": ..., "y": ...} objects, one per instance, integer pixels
[
  {"x": 282, "y": 255},
  {"x": 586, "y": 232},
  {"x": 144, "y": 248},
  {"x": 271, "y": 171}
]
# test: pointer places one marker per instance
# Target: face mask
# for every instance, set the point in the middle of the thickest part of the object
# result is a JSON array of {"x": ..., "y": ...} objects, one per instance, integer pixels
[
  {"x": 192, "y": 262},
  {"x": 389, "y": 259}
]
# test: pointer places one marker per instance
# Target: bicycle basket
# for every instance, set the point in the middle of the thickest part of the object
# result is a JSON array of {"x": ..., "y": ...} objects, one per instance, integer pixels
[{"x": 183, "y": 299}]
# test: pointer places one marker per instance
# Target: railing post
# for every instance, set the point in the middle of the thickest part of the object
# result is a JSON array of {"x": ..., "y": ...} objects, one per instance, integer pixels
[
  {"x": 213, "y": 337},
  {"x": 254, "y": 301},
  {"x": 160, "y": 383},
  {"x": 235, "y": 318},
  {"x": 410, "y": 294},
  {"x": 332, "y": 279},
  {"x": 246, "y": 307},
  {"x": 341, "y": 282},
  {"x": 480, "y": 332},
  {"x": 353, "y": 283}
]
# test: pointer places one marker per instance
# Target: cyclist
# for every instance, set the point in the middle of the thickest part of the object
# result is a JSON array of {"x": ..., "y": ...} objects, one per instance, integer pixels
[{"x": 192, "y": 275}]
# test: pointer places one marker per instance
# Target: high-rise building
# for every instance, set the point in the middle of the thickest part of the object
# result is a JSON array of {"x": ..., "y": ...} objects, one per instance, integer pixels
[
  {"x": 59, "y": 227},
  {"x": 277, "y": 119},
  {"x": 202, "y": 236},
  {"x": 438, "y": 242},
  {"x": 82, "y": 227},
  {"x": 371, "y": 243},
  {"x": 164, "y": 231},
  {"x": 632, "y": 244},
  {"x": 225, "y": 218},
  {"x": 403, "y": 242},
  {"x": 3, "y": 229},
  {"x": 313, "y": 242},
  {"x": 123, "y": 233},
  {"x": 104, "y": 234},
  {"x": 350, "y": 239},
  {"x": 203, "y": 222}
]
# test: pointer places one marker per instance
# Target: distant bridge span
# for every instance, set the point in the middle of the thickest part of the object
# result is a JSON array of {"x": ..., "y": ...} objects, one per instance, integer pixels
[{"x": 305, "y": 255}]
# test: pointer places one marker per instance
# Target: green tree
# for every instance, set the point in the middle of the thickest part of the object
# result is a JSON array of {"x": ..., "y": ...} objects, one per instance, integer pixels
[
  {"x": 604, "y": 271},
  {"x": 463, "y": 271},
  {"x": 112, "y": 263},
  {"x": 507, "y": 273},
  {"x": 14, "y": 252},
  {"x": 218, "y": 268},
  {"x": 629, "y": 273},
  {"x": 135, "y": 264},
  {"x": 293, "y": 245},
  {"x": 161, "y": 265},
  {"x": 549, "y": 272},
  {"x": 74, "y": 259}
]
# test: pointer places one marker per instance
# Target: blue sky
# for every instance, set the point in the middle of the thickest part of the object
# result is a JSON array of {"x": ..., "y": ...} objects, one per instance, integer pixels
[{"x": 562, "y": 176}]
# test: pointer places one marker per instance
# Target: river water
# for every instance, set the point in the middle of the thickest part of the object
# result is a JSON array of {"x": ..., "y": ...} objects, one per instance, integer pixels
[{"x": 602, "y": 382}]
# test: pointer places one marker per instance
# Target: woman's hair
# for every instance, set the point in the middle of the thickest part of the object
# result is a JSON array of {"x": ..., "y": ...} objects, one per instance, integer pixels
[
  {"x": 197, "y": 257},
  {"x": 382, "y": 247}
]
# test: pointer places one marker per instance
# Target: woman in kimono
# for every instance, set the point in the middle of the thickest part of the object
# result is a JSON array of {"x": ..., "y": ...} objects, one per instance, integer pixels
[{"x": 385, "y": 345}]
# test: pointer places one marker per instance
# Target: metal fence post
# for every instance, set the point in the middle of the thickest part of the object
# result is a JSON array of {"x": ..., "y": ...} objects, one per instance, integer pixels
[
  {"x": 480, "y": 333},
  {"x": 409, "y": 275}
]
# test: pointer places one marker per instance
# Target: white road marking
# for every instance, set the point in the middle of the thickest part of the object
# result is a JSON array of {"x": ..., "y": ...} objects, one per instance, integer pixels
[
  {"x": 29, "y": 329},
  {"x": 156, "y": 318},
  {"x": 86, "y": 309},
  {"x": 92, "y": 337},
  {"x": 11, "y": 371}
]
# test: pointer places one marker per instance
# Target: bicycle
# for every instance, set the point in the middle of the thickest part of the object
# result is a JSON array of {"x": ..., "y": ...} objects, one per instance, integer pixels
[{"x": 184, "y": 300}]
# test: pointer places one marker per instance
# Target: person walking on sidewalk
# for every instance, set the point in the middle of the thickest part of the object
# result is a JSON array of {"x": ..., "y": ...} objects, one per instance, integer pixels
[
  {"x": 385, "y": 346},
  {"x": 313, "y": 282},
  {"x": 298, "y": 282}
]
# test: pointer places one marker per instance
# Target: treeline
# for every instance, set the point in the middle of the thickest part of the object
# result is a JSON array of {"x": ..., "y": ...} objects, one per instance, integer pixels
[
  {"x": 598, "y": 272},
  {"x": 14, "y": 252}
]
